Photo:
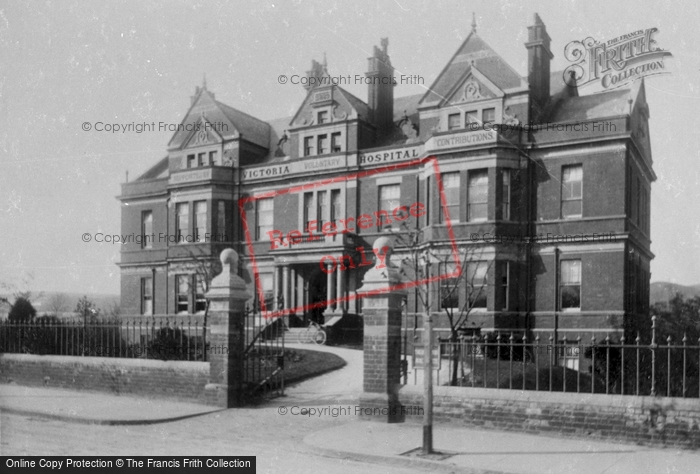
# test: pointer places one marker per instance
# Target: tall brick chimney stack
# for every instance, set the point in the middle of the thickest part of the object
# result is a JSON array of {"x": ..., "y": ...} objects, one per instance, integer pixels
[
  {"x": 539, "y": 57},
  {"x": 380, "y": 78}
]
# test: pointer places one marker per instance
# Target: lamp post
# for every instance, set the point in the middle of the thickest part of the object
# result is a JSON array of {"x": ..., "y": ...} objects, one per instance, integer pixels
[{"x": 427, "y": 363}]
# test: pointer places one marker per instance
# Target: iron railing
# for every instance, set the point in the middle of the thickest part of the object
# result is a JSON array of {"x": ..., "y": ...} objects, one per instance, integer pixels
[
  {"x": 171, "y": 337},
  {"x": 598, "y": 365}
]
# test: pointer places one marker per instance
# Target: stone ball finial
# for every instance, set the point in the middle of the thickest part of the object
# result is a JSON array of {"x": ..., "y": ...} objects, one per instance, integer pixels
[
  {"x": 378, "y": 247},
  {"x": 382, "y": 242},
  {"x": 229, "y": 257}
]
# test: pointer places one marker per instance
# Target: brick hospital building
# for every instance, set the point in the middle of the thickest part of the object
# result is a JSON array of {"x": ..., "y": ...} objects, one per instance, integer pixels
[{"x": 553, "y": 209}]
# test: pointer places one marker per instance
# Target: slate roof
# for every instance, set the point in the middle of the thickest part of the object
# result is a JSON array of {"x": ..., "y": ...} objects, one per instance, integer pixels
[
  {"x": 159, "y": 170},
  {"x": 358, "y": 104},
  {"x": 485, "y": 59},
  {"x": 252, "y": 129},
  {"x": 407, "y": 105},
  {"x": 565, "y": 106}
]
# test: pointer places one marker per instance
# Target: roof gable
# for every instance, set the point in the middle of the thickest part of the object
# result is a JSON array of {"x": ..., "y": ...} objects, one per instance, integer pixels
[
  {"x": 228, "y": 123},
  {"x": 203, "y": 133},
  {"x": 473, "y": 52},
  {"x": 474, "y": 86},
  {"x": 343, "y": 105}
]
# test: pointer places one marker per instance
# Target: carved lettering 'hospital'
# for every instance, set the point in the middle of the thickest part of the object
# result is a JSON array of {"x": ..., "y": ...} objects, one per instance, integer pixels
[{"x": 392, "y": 155}]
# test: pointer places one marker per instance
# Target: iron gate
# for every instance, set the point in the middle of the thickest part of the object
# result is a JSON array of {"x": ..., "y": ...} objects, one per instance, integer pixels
[{"x": 263, "y": 362}]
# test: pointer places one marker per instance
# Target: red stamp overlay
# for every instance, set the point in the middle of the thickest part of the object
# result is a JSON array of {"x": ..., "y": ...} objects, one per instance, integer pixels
[{"x": 313, "y": 230}]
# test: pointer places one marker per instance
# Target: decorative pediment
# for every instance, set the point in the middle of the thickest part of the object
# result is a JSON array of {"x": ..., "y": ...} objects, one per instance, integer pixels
[
  {"x": 203, "y": 133},
  {"x": 339, "y": 104},
  {"x": 472, "y": 87}
]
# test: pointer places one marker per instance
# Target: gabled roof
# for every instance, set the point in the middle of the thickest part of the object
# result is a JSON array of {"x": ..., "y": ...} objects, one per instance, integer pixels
[
  {"x": 358, "y": 104},
  {"x": 229, "y": 122},
  {"x": 159, "y": 170},
  {"x": 252, "y": 129},
  {"x": 485, "y": 59}
]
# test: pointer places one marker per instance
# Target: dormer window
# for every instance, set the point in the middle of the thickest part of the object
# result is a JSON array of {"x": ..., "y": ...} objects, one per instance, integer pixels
[
  {"x": 201, "y": 159},
  {"x": 472, "y": 117},
  {"x": 213, "y": 158},
  {"x": 322, "y": 117},
  {"x": 190, "y": 161}
]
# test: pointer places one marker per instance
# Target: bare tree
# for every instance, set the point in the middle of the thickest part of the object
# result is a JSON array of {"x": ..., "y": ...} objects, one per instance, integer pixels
[
  {"x": 205, "y": 268},
  {"x": 466, "y": 270},
  {"x": 57, "y": 304}
]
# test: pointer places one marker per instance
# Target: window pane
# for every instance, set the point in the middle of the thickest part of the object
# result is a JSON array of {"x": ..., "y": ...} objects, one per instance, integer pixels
[
  {"x": 308, "y": 209},
  {"x": 200, "y": 220},
  {"x": 147, "y": 296},
  {"x": 221, "y": 221},
  {"x": 264, "y": 217},
  {"x": 489, "y": 115},
  {"x": 572, "y": 191},
  {"x": 182, "y": 211},
  {"x": 449, "y": 294},
  {"x": 477, "y": 282},
  {"x": 146, "y": 229},
  {"x": 182, "y": 287},
  {"x": 505, "y": 198},
  {"x": 478, "y": 191},
  {"x": 335, "y": 142},
  {"x": 450, "y": 184},
  {"x": 335, "y": 206},
  {"x": 322, "y": 117},
  {"x": 213, "y": 160},
  {"x": 477, "y": 297},
  {"x": 390, "y": 192},
  {"x": 322, "y": 144},
  {"x": 472, "y": 116},
  {"x": 503, "y": 271},
  {"x": 322, "y": 210},
  {"x": 571, "y": 272},
  {"x": 454, "y": 121},
  {"x": 570, "y": 288},
  {"x": 570, "y": 297},
  {"x": 389, "y": 197},
  {"x": 308, "y": 146},
  {"x": 200, "y": 301}
]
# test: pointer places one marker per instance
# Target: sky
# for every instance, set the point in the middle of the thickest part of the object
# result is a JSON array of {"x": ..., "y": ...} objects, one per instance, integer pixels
[{"x": 66, "y": 63}]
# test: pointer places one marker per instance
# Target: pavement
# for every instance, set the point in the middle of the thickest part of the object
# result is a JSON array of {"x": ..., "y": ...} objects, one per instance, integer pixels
[{"x": 458, "y": 449}]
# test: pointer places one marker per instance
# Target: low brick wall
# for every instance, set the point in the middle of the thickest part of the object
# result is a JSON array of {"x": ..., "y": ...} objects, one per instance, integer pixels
[
  {"x": 178, "y": 380},
  {"x": 642, "y": 420}
]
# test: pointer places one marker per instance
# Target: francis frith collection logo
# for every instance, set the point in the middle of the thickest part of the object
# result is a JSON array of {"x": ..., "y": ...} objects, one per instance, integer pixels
[{"x": 599, "y": 66}]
